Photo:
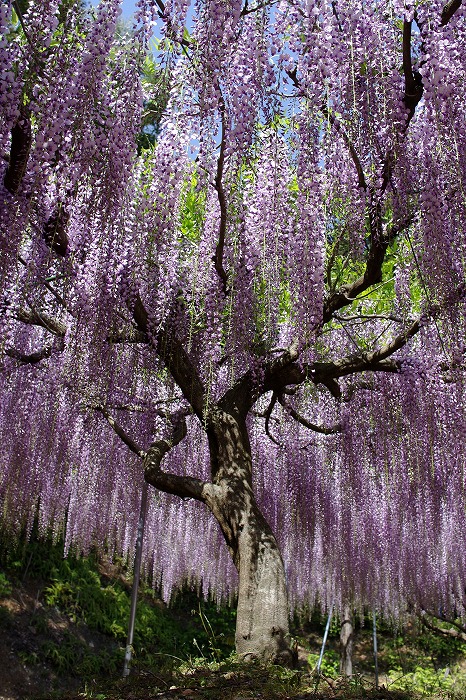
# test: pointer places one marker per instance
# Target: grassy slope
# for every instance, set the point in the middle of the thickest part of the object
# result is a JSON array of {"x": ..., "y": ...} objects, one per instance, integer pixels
[{"x": 63, "y": 629}]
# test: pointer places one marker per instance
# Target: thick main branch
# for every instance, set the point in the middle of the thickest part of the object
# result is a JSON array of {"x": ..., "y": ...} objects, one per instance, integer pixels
[
  {"x": 183, "y": 486},
  {"x": 176, "y": 359}
]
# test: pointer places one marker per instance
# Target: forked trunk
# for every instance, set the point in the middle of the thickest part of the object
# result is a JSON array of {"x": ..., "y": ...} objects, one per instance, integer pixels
[{"x": 262, "y": 626}]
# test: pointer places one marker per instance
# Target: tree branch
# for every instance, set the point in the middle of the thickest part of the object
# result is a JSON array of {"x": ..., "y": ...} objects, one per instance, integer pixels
[
  {"x": 122, "y": 434},
  {"x": 34, "y": 358},
  {"x": 379, "y": 242},
  {"x": 31, "y": 43},
  {"x": 247, "y": 10},
  {"x": 369, "y": 317},
  {"x": 372, "y": 273},
  {"x": 364, "y": 361},
  {"x": 161, "y": 7},
  {"x": 218, "y": 184},
  {"x": 42, "y": 319},
  {"x": 449, "y": 10},
  {"x": 54, "y": 231},
  {"x": 455, "y": 632},
  {"x": 336, "y": 15},
  {"x": 183, "y": 486},
  {"x": 327, "y": 373},
  {"x": 240, "y": 398},
  {"x": 176, "y": 359},
  {"x": 130, "y": 335},
  {"x": 354, "y": 156},
  {"x": 335, "y": 123},
  {"x": 414, "y": 87},
  {"x": 267, "y": 416},
  {"x": 307, "y": 424},
  {"x": 21, "y": 139},
  {"x": 49, "y": 287}
]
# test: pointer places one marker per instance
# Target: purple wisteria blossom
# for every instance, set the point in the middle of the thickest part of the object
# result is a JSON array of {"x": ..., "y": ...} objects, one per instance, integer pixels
[{"x": 261, "y": 314}]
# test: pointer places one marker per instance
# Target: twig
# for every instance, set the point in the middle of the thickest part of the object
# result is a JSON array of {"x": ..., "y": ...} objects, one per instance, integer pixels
[{"x": 267, "y": 415}]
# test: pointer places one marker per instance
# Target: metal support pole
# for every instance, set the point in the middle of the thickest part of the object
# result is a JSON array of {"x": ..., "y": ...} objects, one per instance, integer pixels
[
  {"x": 374, "y": 637},
  {"x": 324, "y": 640},
  {"x": 137, "y": 571}
]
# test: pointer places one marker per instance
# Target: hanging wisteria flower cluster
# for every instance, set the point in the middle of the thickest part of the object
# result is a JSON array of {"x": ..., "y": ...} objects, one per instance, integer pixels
[{"x": 289, "y": 253}]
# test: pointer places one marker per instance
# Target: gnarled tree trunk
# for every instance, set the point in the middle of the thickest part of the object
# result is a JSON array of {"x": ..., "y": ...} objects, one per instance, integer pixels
[{"x": 262, "y": 625}]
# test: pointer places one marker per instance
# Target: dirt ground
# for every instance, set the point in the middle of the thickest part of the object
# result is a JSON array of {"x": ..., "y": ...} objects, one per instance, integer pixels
[{"x": 22, "y": 676}]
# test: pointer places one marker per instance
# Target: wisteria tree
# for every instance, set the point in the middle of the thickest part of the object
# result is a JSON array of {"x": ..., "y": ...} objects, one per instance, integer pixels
[{"x": 261, "y": 315}]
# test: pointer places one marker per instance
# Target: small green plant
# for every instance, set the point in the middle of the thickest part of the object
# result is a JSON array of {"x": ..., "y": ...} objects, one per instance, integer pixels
[
  {"x": 77, "y": 588},
  {"x": 330, "y": 663},
  {"x": 214, "y": 647},
  {"x": 283, "y": 679},
  {"x": 72, "y": 656},
  {"x": 5, "y": 586},
  {"x": 29, "y": 658}
]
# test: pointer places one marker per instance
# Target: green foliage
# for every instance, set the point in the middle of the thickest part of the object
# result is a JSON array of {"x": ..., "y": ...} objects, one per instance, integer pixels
[
  {"x": 193, "y": 639},
  {"x": 422, "y": 680},
  {"x": 193, "y": 210},
  {"x": 78, "y": 592},
  {"x": 215, "y": 636},
  {"x": 330, "y": 666},
  {"x": 73, "y": 656},
  {"x": 77, "y": 588},
  {"x": 156, "y": 89},
  {"x": 422, "y": 661},
  {"x": 5, "y": 586},
  {"x": 438, "y": 647}
]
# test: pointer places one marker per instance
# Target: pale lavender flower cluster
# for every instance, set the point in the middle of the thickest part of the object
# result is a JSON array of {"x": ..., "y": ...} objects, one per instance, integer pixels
[{"x": 289, "y": 157}]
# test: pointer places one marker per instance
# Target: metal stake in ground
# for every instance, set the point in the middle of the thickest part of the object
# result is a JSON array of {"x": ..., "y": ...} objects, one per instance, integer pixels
[
  {"x": 374, "y": 636},
  {"x": 324, "y": 640},
  {"x": 137, "y": 571}
]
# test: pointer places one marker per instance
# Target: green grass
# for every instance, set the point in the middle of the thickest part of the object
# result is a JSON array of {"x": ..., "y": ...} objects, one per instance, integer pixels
[
  {"x": 79, "y": 630},
  {"x": 92, "y": 602}
]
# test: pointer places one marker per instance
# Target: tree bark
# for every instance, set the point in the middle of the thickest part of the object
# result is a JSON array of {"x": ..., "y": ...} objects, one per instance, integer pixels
[
  {"x": 262, "y": 629},
  {"x": 262, "y": 623},
  {"x": 346, "y": 643},
  {"x": 262, "y": 614}
]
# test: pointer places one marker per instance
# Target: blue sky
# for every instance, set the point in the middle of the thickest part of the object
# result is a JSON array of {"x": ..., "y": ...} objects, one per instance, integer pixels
[{"x": 128, "y": 7}]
